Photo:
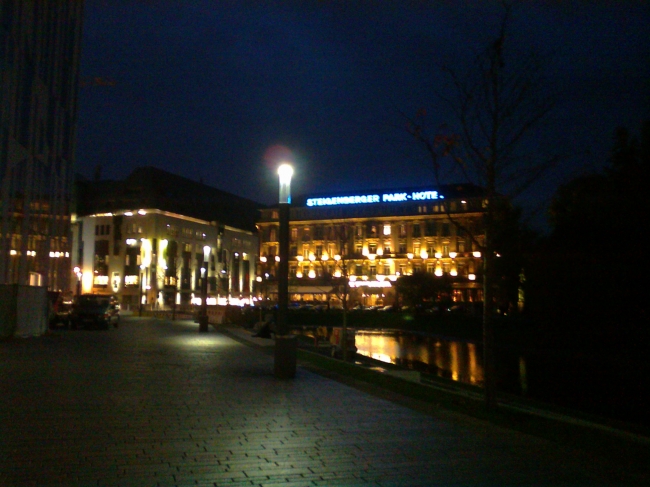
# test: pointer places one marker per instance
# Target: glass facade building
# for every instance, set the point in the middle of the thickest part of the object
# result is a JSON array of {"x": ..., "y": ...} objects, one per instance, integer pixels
[{"x": 40, "y": 43}]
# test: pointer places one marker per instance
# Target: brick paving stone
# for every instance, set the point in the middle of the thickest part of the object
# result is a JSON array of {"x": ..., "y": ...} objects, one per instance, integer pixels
[{"x": 155, "y": 403}]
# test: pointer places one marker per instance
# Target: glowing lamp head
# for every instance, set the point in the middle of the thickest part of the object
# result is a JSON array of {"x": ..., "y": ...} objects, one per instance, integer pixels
[{"x": 285, "y": 171}]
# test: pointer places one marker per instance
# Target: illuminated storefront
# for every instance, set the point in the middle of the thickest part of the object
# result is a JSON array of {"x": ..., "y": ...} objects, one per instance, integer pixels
[{"x": 371, "y": 238}]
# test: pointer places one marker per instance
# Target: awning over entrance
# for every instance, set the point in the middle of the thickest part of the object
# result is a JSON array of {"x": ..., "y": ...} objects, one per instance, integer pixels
[{"x": 305, "y": 289}]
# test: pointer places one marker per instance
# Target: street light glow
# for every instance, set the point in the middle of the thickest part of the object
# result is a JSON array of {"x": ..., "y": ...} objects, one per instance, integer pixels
[{"x": 285, "y": 171}]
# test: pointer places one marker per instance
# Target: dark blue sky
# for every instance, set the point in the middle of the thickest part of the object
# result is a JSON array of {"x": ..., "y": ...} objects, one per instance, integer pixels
[{"x": 204, "y": 88}]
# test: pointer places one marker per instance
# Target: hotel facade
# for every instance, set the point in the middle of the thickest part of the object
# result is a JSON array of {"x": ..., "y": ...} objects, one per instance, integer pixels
[
  {"x": 150, "y": 238},
  {"x": 372, "y": 238}
]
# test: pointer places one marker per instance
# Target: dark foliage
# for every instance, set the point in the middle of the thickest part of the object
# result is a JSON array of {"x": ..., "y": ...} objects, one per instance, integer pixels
[{"x": 590, "y": 273}]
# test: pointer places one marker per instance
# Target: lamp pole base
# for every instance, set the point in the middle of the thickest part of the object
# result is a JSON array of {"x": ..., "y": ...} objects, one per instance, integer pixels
[
  {"x": 203, "y": 323},
  {"x": 285, "y": 356}
]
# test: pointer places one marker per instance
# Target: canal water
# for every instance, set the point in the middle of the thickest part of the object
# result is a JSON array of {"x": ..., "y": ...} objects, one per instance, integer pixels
[{"x": 600, "y": 385}]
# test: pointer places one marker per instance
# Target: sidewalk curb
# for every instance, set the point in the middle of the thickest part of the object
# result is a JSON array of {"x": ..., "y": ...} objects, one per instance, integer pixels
[{"x": 625, "y": 447}]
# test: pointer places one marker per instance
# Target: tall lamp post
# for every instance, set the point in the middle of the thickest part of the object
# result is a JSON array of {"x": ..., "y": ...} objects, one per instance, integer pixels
[
  {"x": 285, "y": 344},
  {"x": 203, "y": 314}
]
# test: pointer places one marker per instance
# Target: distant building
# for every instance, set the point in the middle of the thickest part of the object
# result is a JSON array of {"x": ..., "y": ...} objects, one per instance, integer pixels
[
  {"x": 143, "y": 240},
  {"x": 373, "y": 237},
  {"x": 40, "y": 45}
]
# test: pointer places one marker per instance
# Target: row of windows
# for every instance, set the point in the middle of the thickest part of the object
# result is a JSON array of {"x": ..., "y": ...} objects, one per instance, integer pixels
[
  {"x": 102, "y": 229},
  {"x": 430, "y": 228},
  {"x": 460, "y": 246},
  {"x": 320, "y": 271}
]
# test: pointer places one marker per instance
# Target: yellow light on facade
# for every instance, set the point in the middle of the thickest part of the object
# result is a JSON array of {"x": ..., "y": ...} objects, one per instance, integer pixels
[
  {"x": 453, "y": 272},
  {"x": 312, "y": 273},
  {"x": 146, "y": 250},
  {"x": 453, "y": 255},
  {"x": 472, "y": 277},
  {"x": 409, "y": 256},
  {"x": 337, "y": 257},
  {"x": 263, "y": 258},
  {"x": 371, "y": 257},
  {"x": 353, "y": 278},
  {"x": 337, "y": 273},
  {"x": 325, "y": 256},
  {"x": 277, "y": 258},
  {"x": 162, "y": 262},
  {"x": 438, "y": 255},
  {"x": 438, "y": 272},
  {"x": 380, "y": 251},
  {"x": 312, "y": 257},
  {"x": 424, "y": 254},
  {"x": 299, "y": 275},
  {"x": 476, "y": 254},
  {"x": 258, "y": 278}
]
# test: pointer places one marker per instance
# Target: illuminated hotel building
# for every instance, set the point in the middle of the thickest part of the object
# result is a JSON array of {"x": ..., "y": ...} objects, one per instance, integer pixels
[
  {"x": 374, "y": 237},
  {"x": 143, "y": 240}
]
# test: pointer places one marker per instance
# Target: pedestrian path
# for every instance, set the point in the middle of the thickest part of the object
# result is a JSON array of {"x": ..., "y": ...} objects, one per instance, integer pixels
[{"x": 155, "y": 403}]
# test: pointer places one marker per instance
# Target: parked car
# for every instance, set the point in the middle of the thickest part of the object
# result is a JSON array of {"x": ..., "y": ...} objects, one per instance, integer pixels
[
  {"x": 95, "y": 310},
  {"x": 61, "y": 311},
  {"x": 390, "y": 307}
]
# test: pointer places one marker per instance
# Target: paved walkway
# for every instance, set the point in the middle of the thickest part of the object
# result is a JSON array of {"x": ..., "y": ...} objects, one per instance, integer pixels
[{"x": 155, "y": 403}]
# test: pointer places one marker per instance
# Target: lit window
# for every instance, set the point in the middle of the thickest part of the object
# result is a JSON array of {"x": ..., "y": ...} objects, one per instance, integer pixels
[{"x": 387, "y": 229}]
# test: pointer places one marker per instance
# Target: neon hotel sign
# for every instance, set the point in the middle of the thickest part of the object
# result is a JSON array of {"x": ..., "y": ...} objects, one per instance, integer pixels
[{"x": 375, "y": 198}]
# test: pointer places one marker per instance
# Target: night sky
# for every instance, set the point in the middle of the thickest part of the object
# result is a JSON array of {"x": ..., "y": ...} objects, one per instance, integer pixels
[{"x": 216, "y": 90}]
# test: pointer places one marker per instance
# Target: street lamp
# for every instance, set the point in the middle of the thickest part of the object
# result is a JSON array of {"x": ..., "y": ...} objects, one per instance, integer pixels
[
  {"x": 79, "y": 274},
  {"x": 285, "y": 344},
  {"x": 203, "y": 313}
]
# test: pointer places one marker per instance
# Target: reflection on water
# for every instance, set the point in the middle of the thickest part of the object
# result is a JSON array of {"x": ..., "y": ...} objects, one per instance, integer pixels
[
  {"x": 597, "y": 383},
  {"x": 456, "y": 360}
]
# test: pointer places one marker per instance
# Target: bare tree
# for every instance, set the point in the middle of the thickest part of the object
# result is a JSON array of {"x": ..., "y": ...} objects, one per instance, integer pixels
[
  {"x": 498, "y": 104},
  {"x": 340, "y": 277}
]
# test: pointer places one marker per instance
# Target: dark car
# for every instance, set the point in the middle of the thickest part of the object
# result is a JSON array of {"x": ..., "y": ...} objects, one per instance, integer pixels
[
  {"x": 60, "y": 310},
  {"x": 95, "y": 311}
]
